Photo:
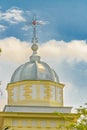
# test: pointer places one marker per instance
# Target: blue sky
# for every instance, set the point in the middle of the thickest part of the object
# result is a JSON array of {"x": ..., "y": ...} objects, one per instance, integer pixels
[
  {"x": 64, "y": 32},
  {"x": 67, "y": 19}
]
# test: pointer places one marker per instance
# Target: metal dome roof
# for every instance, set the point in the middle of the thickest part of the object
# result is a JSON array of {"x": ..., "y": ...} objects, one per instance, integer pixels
[{"x": 34, "y": 71}]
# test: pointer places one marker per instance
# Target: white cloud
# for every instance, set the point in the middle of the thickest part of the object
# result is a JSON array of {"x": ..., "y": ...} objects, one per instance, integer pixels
[
  {"x": 26, "y": 27},
  {"x": 2, "y": 28},
  {"x": 73, "y": 51},
  {"x": 74, "y": 96},
  {"x": 15, "y": 50},
  {"x": 28, "y": 12},
  {"x": 13, "y": 15},
  {"x": 2, "y": 103},
  {"x": 68, "y": 89}
]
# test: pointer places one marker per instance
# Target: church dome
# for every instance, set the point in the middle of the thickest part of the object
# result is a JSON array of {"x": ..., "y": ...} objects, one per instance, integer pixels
[{"x": 35, "y": 69}]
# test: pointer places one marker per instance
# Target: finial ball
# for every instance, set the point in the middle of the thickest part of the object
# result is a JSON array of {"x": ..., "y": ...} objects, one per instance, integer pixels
[{"x": 34, "y": 47}]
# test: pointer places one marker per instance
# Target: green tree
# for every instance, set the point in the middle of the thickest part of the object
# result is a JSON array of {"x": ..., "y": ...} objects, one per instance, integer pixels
[{"x": 81, "y": 123}]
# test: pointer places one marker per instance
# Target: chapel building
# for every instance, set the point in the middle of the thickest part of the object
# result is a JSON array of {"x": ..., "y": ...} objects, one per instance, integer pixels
[{"x": 35, "y": 97}]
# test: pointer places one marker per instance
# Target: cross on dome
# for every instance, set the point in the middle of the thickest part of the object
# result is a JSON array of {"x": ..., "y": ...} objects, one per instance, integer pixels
[
  {"x": 34, "y": 47},
  {"x": 34, "y": 23}
]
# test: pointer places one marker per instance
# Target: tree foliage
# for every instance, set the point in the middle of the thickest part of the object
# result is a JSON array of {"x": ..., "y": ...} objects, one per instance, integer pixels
[{"x": 81, "y": 123}]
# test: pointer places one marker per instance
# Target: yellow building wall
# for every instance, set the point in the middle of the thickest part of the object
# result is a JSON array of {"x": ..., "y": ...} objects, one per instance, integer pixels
[
  {"x": 1, "y": 122},
  {"x": 35, "y": 121},
  {"x": 34, "y": 124},
  {"x": 27, "y": 98}
]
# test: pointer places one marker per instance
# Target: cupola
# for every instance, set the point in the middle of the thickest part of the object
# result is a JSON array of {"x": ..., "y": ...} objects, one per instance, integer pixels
[{"x": 35, "y": 83}]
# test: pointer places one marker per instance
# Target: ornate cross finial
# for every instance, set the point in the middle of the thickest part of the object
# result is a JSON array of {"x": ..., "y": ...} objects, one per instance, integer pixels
[
  {"x": 34, "y": 23},
  {"x": 34, "y": 47}
]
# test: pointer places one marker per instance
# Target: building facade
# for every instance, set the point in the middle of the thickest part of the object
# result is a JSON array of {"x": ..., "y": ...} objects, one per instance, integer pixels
[{"x": 35, "y": 97}]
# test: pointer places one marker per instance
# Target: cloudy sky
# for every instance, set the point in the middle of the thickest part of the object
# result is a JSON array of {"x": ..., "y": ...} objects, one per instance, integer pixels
[{"x": 63, "y": 33}]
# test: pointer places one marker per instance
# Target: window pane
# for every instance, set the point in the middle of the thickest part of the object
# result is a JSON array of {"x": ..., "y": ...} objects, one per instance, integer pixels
[
  {"x": 14, "y": 123},
  {"x": 21, "y": 95},
  {"x": 15, "y": 94},
  {"x": 42, "y": 94},
  {"x": 33, "y": 93},
  {"x": 53, "y": 93}
]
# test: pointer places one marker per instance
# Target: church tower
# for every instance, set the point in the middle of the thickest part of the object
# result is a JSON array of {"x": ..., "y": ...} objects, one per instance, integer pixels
[
  {"x": 35, "y": 83},
  {"x": 35, "y": 96}
]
